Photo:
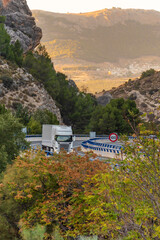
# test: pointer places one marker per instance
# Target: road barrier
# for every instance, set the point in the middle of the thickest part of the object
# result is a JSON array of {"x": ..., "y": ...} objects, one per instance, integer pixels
[{"x": 101, "y": 147}]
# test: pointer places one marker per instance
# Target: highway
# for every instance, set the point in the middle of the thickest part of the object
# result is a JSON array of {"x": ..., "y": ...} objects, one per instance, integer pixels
[
  {"x": 108, "y": 154},
  {"x": 38, "y": 143}
]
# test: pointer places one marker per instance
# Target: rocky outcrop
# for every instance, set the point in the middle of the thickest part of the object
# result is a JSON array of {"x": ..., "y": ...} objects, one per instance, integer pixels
[
  {"x": 104, "y": 99},
  {"x": 144, "y": 91},
  {"x": 18, "y": 86},
  {"x": 72, "y": 84},
  {"x": 20, "y": 24}
]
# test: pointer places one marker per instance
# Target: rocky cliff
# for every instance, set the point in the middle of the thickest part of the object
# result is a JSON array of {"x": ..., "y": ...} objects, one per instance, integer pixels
[
  {"x": 20, "y": 24},
  {"x": 18, "y": 86}
]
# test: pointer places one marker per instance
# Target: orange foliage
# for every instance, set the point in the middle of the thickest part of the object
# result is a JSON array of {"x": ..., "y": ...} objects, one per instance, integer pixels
[{"x": 52, "y": 183}]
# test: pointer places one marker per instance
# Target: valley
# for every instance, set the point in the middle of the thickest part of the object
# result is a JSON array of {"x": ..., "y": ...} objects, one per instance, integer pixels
[
  {"x": 92, "y": 77},
  {"x": 102, "y": 49}
]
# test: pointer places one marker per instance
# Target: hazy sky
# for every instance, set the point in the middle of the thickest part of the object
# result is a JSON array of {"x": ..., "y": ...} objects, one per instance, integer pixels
[{"x": 76, "y": 6}]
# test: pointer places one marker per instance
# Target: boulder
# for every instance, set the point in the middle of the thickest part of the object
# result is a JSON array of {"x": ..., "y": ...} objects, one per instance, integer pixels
[{"x": 104, "y": 99}]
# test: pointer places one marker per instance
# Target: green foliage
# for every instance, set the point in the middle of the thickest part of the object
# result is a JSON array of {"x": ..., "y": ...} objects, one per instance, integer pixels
[
  {"x": 83, "y": 109},
  {"x": 44, "y": 116},
  {"x": 2, "y": 19},
  {"x": 34, "y": 126},
  {"x": 3, "y": 158},
  {"x": 148, "y": 73},
  {"x": 12, "y": 52},
  {"x": 117, "y": 116},
  {"x": 40, "y": 117},
  {"x": 40, "y": 65},
  {"x": 21, "y": 113},
  {"x": 76, "y": 108},
  {"x": 5, "y": 49},
  {"x": 12, "y": 138},
  {"x": 123, "y": 203},
  {"x": 35, "y": 233},
  {"x": 18, "y": 53}
]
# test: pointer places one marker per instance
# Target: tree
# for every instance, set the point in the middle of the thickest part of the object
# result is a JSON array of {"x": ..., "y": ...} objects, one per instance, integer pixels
[
  {"x": 76, "y": 108},
  {"x": 12, "y": 52},
  {"x": 44, "y": 116},
  {"x": 124, "y": 202},
  {"x": 40, "y": 117},
  {"x": 5, "y": 49},
  {"x": 148, "y": 73},
  {"x": 12, "y": 138},
  {"x": 34, "y": 126},
  {"x": 22, "y": 113},
  {"x": 18, "y": 53},
  {"x": 117, "y": 116},
  {"x": 84, "y": 106}
]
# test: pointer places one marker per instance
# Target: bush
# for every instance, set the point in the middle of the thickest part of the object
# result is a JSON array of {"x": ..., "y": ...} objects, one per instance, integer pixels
[
  {"x": 40, "y": 117},
  {"x": 34, "y": 126},
  {"x": 7, "y": 81},
  {"x": 148, "y": 73}
]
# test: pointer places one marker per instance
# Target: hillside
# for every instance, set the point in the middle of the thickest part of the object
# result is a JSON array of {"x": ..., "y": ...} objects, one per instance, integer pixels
[
  {"x": 17, "y": 86},
  {"x": 107, "y": 46},
  {"x": 145, "y": 91}
]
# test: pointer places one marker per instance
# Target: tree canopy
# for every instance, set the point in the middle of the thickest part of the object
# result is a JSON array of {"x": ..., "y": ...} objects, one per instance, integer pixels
[{"x": 117, "y": 116}]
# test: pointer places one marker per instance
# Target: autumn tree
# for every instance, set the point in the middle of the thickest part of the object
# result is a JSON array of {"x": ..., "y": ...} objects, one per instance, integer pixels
[
  {"x": 41, "y": 188},
  {"x": 125, "y": 202}
]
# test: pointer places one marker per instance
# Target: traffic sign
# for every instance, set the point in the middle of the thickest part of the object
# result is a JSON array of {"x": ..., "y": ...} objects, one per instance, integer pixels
[{"x": 113, "y": 137}]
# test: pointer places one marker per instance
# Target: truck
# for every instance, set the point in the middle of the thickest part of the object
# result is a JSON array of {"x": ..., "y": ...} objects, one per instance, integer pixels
[{"x": 57, "y": 137}]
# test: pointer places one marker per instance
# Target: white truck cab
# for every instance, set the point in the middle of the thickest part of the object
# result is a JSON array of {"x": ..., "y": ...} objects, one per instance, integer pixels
[{"x": 57, "y": 137}]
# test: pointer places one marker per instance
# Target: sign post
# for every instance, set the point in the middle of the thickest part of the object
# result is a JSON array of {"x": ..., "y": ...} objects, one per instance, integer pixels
[{"x": 113, "y": 137}]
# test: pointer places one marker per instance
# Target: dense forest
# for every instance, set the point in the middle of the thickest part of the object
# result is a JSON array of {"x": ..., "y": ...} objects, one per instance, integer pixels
[{"x": 68, "y": 195}]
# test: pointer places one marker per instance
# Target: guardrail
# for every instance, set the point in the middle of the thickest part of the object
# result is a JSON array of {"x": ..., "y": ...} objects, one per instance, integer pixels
[
  {"x": 101, "y": 147},
  {"x": 76, "y": 135},
  {"x": 36, "y": 135}
]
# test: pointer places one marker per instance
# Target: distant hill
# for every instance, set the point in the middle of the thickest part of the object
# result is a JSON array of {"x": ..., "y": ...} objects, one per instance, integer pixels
[{"x": 79, "y": 44}]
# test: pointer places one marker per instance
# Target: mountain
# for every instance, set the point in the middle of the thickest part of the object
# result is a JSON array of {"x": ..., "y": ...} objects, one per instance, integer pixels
[
  {"x": 17, "y": 85},
  {"x": 145, "y": 91},
  {"x": 20, "y": 24},
  {"x": 102, "y": 48}
]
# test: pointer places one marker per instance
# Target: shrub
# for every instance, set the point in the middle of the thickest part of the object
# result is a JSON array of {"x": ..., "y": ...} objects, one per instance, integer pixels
[
  {"x": 7, "y": 81},
  {"x": 148, "y": 73}
]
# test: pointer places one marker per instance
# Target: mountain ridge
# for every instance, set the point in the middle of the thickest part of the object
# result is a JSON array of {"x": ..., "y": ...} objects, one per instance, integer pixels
[{"x": 101, "y": 40}]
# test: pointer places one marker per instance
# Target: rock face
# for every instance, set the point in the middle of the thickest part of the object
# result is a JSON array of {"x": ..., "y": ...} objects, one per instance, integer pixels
[
  {"x": 20, "y": 24},
  {"x": 17, "y": 86}
]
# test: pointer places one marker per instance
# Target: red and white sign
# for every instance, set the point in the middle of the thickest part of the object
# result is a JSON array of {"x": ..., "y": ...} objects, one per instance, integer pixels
[{"x": 113, "y": 137}]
